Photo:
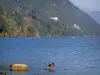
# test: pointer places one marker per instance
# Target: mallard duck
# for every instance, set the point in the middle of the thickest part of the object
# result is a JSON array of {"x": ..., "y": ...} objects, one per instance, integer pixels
[{"x": 51, "y": 67}]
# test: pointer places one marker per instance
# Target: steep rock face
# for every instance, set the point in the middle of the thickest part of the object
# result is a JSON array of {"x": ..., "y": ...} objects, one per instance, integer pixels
[{"x": 71, "y": 20}]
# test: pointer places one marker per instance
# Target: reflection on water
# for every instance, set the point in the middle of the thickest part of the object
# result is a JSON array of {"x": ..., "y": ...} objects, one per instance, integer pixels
[{"x": 79, "y": 56}]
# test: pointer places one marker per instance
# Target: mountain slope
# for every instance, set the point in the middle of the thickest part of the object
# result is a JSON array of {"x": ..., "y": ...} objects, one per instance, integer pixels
[{"x": 58, "y": 16}]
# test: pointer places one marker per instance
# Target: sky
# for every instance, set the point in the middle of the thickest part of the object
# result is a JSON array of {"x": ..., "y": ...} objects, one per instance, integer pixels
[{"x": 87, "y": 5}]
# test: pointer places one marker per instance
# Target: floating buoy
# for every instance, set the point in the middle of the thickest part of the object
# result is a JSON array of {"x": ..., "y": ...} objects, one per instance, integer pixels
[{"x": 18, "y": 67}]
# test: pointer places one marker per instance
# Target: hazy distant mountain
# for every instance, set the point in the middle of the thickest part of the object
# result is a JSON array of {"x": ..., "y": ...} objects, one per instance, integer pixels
[
  {"x": 72, "y": 20},
  {"x": 95, "y": 15}
]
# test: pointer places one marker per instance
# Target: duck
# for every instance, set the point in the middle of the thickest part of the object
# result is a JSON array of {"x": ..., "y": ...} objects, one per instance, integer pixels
[{"x": 51, "y": 67}]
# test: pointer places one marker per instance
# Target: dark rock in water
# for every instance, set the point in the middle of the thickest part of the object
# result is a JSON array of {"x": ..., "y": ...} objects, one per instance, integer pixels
[
  {"x": 3, "y": 73},
  {"x": 65, "y": 69}
]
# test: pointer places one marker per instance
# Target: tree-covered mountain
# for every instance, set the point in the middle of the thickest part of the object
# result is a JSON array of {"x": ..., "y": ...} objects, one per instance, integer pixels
[{"x": 45, "y": 18}]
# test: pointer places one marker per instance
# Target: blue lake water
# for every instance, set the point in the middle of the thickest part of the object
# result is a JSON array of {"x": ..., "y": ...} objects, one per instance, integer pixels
[{"x": 79, "y": 56}]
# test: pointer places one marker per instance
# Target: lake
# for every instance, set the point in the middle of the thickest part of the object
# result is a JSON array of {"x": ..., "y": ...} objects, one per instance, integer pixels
[{"x": 79, "y": 56}]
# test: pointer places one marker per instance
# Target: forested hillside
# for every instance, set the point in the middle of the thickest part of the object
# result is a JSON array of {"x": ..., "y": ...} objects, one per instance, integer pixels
[{"x": 35, "y": 18}]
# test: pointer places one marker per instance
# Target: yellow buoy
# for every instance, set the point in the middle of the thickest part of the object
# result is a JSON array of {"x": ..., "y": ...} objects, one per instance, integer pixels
[{"x": 19, "y": 67}]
